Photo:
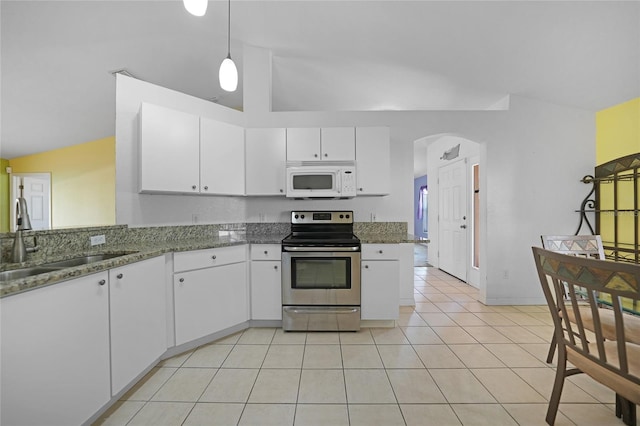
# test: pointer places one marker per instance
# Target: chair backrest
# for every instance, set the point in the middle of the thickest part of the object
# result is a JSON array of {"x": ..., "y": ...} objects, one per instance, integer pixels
[
  {"x": 613, "y": 363},
  {"x": 577, "y": 245}
]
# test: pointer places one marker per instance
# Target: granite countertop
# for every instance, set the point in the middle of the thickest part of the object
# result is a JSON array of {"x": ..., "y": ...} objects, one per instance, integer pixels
[
  {"x": 132, "y": 253},
  {"x": 136, "y": 252}
]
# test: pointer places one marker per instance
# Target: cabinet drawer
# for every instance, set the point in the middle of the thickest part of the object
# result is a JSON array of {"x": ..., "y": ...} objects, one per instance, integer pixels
[
  {"x": 266, "y": 252},
  {"x": 186, "y": 261},
  {"x": 380, "y": 251}
]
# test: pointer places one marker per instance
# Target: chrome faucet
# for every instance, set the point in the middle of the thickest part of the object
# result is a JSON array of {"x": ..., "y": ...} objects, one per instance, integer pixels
[{"x": 23, "y": 224}]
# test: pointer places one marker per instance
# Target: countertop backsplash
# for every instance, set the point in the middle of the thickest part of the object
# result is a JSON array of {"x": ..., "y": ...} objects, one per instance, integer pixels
[{"x": 54, "y": 243}]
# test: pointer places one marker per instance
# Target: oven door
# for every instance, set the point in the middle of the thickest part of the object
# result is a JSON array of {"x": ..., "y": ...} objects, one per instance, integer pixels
[{"x": 325, "y": 276}]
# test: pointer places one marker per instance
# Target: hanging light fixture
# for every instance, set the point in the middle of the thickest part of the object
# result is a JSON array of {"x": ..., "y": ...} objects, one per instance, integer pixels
[
  {"x": 196, "y": 7},
  {"x": 228, "y": 72}
]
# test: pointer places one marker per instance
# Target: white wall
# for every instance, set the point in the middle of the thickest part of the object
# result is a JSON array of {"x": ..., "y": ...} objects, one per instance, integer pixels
[{"x": 532, "y": 158}]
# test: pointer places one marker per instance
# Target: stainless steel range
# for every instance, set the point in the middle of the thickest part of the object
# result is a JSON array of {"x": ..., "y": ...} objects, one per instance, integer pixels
[{"x": 321, "y": 272}]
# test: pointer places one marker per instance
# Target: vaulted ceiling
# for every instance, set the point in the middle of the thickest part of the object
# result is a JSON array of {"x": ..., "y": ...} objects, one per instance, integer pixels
[{"x": 328, "y": 55}]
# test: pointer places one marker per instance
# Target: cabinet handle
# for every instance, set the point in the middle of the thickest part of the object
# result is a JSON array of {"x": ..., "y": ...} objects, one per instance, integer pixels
[
  {"x": 366, "y": 266},
  {"x": 206, "y": 188},
  {"x": 326, "y": 155},
  {"x": 266, "y": 252},
  {"x": 380, "y": 251},
  {"x": 181, "y": 280},
  {"x": 119, "y": 276},
  {"x": 315, "y": 155},
  {"x": 193, "y": 187},
  {"x": 275, "y": 267},
  {"x": 213, "y": 257},
  {"x": 102, "y": 282},
  {"x": 281, "y": 190},
  {"x": 360, "y": 189}
]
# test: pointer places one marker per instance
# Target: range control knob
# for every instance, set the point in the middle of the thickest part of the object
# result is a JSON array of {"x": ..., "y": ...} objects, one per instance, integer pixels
[
  {"x": 296, "y": 216},
  {"x": 341, "y": 216},
  {"x": 348, "y": 216},
  {"x": 301, "y": 216}
]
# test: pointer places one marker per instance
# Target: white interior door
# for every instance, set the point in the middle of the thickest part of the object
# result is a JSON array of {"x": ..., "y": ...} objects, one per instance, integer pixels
[
  {"x": 37, "y": 193},
  {"x": 452, "y": 219}
]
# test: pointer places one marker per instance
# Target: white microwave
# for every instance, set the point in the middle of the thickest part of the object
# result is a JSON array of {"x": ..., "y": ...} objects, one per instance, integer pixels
[{"x": 321, "y": 181}]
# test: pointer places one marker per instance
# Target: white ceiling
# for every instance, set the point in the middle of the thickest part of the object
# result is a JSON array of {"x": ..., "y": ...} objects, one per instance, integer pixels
[{"x": 327, "y": 55}]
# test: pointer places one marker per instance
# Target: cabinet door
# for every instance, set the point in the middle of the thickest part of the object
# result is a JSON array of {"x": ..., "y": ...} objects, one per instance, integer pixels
[
  {"x": 55, "y": 353},
  {"x": 209, "y": 300},
  {"x": 221, "y": 158},
  {"x": 303, "y": 144},
  {"x": 338, "y": 143},
  {"x": 372, "y": 160},
  {"x": 169, "y": 150},
  {"x": 265, "y": 161},
  {"x": 138, "y": 319},
  {"x": 266, "y": 290},
  {"x": 380, "y": 292}
]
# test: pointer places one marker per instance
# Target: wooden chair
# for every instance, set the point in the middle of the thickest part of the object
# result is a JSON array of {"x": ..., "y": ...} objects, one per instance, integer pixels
[
  {"x": 614, "y": 363},
  {"x": 589, "y": 246}
]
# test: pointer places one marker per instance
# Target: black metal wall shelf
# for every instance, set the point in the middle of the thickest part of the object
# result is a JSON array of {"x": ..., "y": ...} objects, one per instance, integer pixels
[{"x": 616, "y": 187}]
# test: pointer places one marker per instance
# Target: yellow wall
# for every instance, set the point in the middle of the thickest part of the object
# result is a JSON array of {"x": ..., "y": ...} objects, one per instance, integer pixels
[
  {"x": 83, "y": 182},
  {"x": 617, "y": 135},
  {"x": 4, "y": 196},
  {"x": 618, "y": 131}
]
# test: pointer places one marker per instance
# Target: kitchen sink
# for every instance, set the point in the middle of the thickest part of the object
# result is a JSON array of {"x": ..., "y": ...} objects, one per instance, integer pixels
[
  {"x": 84, "y": 260},
  {"x": 26, "y": 272},
  {"x": 15, "y": 274}
]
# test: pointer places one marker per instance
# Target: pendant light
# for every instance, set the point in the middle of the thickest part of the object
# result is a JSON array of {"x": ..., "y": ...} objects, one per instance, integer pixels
[
  {"x": 228, "y": 72},
  {"x": 196, "y": 7}
]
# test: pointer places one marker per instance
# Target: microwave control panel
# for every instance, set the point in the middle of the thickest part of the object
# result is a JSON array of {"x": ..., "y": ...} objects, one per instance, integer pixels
[{"x": 348, "y": 183}]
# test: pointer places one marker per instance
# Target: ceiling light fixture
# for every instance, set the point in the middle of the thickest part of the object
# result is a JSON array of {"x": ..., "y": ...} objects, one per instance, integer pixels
[
  {"x": 196, "y": 7},
  {"x": 228, "y": 72}
]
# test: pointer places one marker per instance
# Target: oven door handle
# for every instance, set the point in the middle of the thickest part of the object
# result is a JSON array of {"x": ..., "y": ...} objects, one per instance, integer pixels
[
  {"x": 322, "y": 310},
  {"x": 310, "y": 249}
]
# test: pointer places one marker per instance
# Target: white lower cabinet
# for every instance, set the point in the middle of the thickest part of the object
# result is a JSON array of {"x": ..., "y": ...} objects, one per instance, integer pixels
[
  {"x": 380, "y": 272},
  {"x": 266, "y": 282},
  {"x": 55, "y": 353},
  {"x": 138, "y": 319},
  {"x": 211, "y": 299}
]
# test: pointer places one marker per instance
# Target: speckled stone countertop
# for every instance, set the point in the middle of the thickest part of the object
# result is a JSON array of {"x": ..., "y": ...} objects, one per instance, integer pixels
[
  {"x": 132, "y": 252},
  {"x": 136, "y": 244}
]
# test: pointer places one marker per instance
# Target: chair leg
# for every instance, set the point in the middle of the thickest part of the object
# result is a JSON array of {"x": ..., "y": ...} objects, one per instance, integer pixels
[
  {"x": 558, "y": 384},
  {"x": 552, "y": 349},
  {"x": 626, "y": 410}
]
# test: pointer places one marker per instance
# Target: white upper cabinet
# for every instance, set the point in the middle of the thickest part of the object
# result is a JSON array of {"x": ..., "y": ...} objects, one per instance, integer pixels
[
  {"x": 221, "y": 158},
  {"x": 303, "y": 144},
  {"x": 326, "y": 144},
  {"x": 338, "y": 143},
  {"x": 265, "y": 161},
  {"x": 169, "y": 150},
  {"x": 373, "y": 160}
]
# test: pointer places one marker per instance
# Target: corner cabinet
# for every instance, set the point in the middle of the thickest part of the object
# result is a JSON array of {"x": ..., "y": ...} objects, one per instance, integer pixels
[
  {"x": 373, "y": 165},
  {"x": 137, "y": 318},
  {"x": 55, "y": 353},
  {"x": 184, "y": 153},
  {"x": 210, "y": 291},
  {"x": 266, "y": 155}
]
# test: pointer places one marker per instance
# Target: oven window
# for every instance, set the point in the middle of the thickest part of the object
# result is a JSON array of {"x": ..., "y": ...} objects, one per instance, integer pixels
[
  {"x": 307, "y": 181},
  {"x": 321, "y": 273}
]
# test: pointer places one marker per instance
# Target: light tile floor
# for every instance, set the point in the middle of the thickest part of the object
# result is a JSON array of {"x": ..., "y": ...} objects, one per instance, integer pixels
[{"x": 451, "y": 360}]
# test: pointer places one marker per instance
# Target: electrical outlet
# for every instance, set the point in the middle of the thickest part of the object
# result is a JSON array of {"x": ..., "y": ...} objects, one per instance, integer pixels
[{"x": 97, "y": 239}]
